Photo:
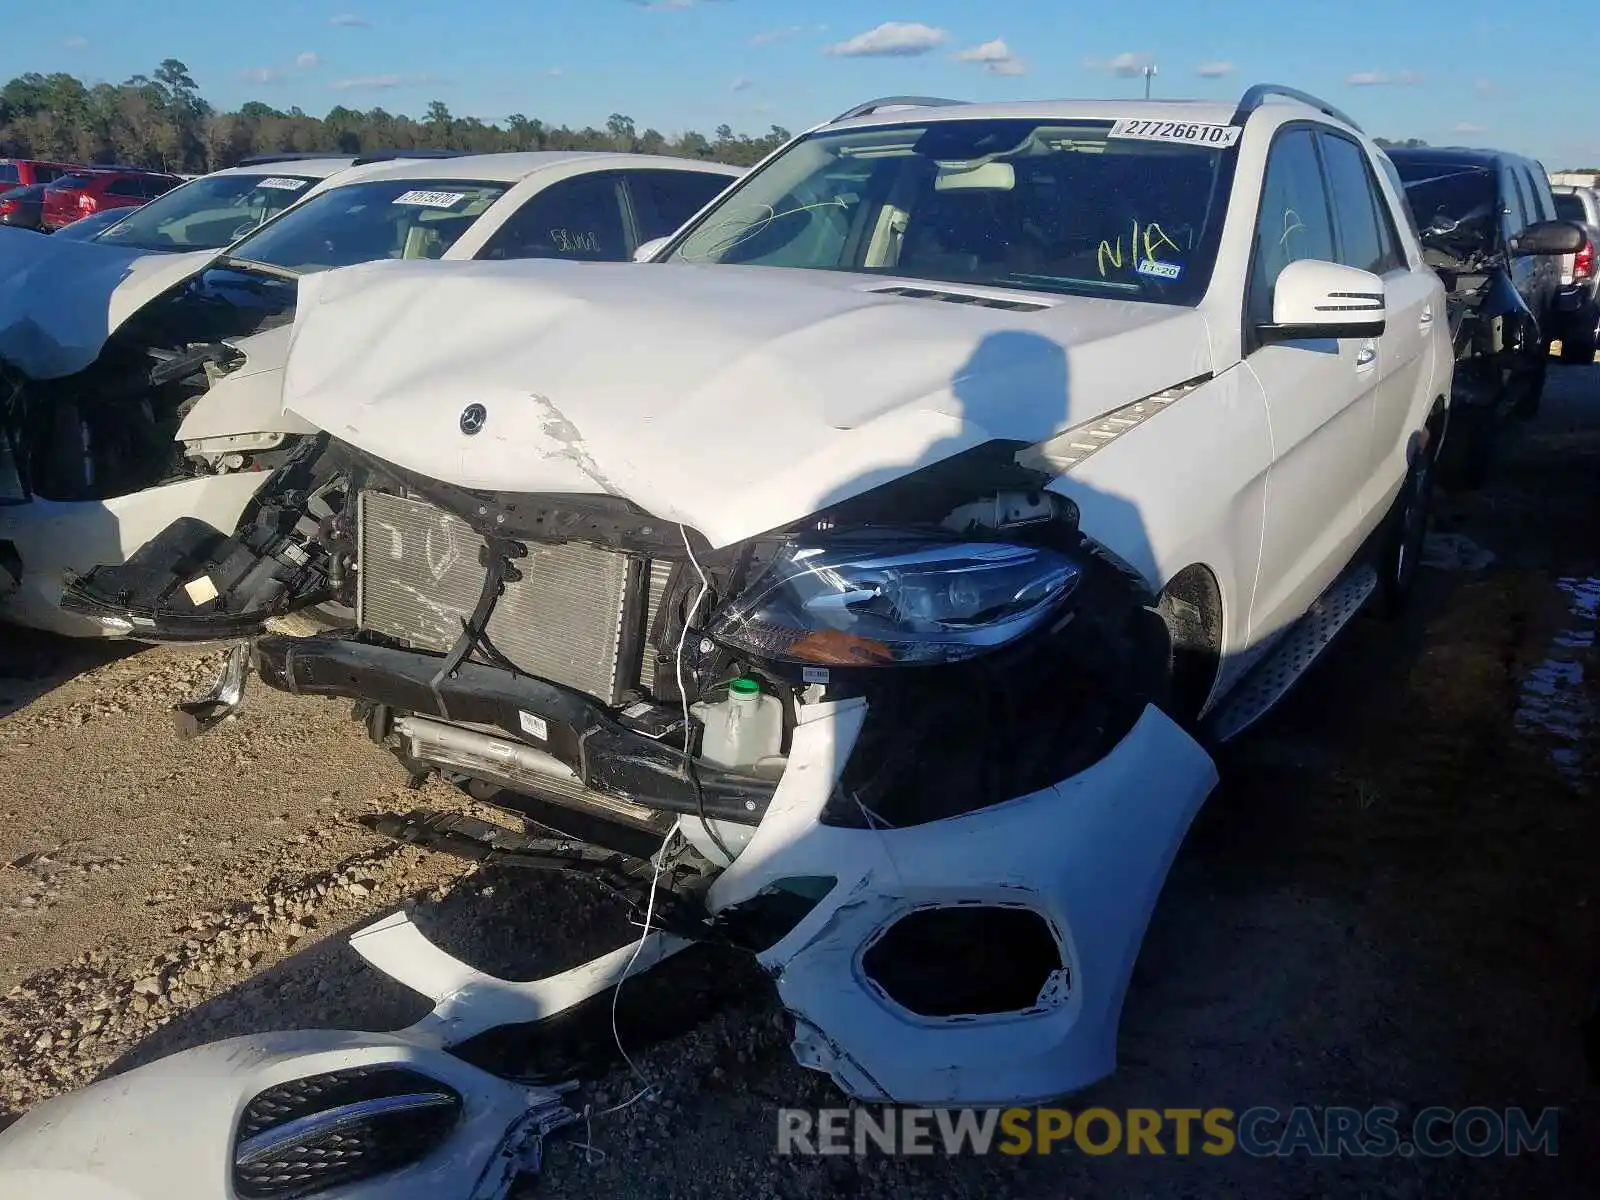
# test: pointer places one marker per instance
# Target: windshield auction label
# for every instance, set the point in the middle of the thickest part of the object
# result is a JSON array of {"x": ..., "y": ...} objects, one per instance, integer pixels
[
  {"x": 431, "y": 199},
  {"x": 1184, "y": 133},
  {"x": 282, "y": 183}
]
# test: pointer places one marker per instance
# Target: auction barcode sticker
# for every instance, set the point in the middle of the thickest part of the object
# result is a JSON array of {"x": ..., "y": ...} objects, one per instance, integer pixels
[
  {"x": 282, "y": 183},
  {"x": 537, "y": 726},
  {"x": 1184, "y": 133},
  {"x": 431, "y": 199}
]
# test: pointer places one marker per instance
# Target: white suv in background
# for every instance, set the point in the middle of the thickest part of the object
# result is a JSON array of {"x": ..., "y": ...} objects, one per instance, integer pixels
[{"x": 961, "y": 473}]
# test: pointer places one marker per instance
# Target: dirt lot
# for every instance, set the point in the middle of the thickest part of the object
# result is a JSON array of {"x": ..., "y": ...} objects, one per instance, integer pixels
[{"x": 1392, "y": 899}]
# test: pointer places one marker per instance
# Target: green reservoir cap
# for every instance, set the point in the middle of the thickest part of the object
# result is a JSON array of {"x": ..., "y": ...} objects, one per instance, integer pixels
[{"x": 744, "y": 688}]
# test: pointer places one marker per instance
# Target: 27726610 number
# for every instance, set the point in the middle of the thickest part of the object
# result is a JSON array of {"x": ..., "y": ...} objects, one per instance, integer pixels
[{"x": 1184, "y": 133}]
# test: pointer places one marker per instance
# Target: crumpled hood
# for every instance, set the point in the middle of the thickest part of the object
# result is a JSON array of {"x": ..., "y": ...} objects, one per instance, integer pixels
[
  {"x": 731, "y": 399},
  {"x": 248, "y": 399},
  {"x": 61, "y": 299}
]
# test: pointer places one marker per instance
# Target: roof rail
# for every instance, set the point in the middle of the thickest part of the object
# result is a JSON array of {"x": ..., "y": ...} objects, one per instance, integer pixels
[
  {"x": 1256, "y": 96},
  {"x": 261, "y": 160},
  {"x": 872, "y": 106},
  {"x": 378, "y": 156}
]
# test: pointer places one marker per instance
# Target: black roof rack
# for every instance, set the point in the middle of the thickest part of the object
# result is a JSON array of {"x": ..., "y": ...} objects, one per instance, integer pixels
[
  {"x": 378, "y": 156},
  {"x": 872, "y": 106},
  {"x": 1256, "y": 96},
  {"x": 261, "y": 160}
]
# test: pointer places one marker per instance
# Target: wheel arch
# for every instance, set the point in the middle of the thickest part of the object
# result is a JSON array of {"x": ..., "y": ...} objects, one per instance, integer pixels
[{"x": 1191, "y": 604}]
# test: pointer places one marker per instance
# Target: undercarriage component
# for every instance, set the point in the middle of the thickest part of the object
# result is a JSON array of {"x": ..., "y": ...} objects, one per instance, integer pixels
[
  {"x": 194, "y": 717},
  {"x": 574, "y": 729}
]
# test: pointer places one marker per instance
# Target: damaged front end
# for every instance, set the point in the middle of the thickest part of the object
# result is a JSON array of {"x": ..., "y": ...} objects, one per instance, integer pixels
[
  {"x": 96, "y": 461},
  {"x": 909, "y": 751}
]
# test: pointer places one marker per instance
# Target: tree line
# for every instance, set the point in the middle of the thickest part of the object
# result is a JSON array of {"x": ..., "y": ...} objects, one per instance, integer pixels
[{"x": 161, "y": 121}]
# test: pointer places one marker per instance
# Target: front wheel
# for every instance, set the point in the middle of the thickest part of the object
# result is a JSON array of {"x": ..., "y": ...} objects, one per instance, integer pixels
[{"x": 1401, "y": 548}]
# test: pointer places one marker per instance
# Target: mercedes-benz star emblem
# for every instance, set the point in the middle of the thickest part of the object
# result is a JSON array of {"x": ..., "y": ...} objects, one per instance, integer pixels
[{"x": 473, "y": 418}]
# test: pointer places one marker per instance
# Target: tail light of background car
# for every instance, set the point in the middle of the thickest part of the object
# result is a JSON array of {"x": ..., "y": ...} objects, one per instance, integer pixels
[{"x": 1583, "y": 265}]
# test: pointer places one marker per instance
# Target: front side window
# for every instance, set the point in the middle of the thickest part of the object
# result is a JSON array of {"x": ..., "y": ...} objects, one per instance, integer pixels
[
  {"x": 208, "y": 213},
  {"x": 1051, "y": 206},
  {"x": 1570, "y": 208},
  {"x": 125, "y": 187},
  {"x": 578, "y": 218},
  {"x": 1361, "y": 216},
  {"x": 1293, "y": 222},
  {"x": 9, "y": 173},
  {"x": 364, "y": 222}
]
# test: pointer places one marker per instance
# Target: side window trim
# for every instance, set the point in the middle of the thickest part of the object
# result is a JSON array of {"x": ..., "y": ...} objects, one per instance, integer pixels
[{"x": 631, "y": 201}]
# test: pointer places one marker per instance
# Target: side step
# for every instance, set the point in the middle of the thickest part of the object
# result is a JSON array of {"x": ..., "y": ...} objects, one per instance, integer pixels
[{"x": 1270, "y": 680}]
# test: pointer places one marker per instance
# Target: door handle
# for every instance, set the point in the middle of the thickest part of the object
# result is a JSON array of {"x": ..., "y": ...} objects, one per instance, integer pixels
[{"x": 1427, "y": 319}]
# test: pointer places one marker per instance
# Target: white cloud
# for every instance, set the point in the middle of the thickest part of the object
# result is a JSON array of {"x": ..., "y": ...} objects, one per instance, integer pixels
[
  {"x": 892, "y": 39},
  {"x": 349, "y": 20},
  {"x": 1214, "y": 70},
  {"x": 556, "y": 72},
  {"x": 308, "y": 61},
  {"x": 261, "y": 75},
  {"x": 76, "y": 43},
  {"x": 1486, "y": 87},
  {"x": 1468, "y": 127},
  {"x": 1128, "y": 64},
  {"x": 381, "y": 83},
  {"x": 1383, "y": 79},
  {"x": 773, "y": 36},
  {"x": 742, "y": 84},
  {"x": 995, "y": 57}
]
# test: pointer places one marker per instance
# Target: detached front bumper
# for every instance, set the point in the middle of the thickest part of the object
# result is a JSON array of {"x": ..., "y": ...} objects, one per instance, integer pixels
[{"x": 1051, "y": 890}]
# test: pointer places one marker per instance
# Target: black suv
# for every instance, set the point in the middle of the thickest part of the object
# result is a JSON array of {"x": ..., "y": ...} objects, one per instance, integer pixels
[{"x": 1487, "y": 223}]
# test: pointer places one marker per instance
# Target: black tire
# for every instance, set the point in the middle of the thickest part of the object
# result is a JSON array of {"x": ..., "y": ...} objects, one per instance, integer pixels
[
  {"x": 1528, "y": 388},
  {"x": 1400, "y": 551}
]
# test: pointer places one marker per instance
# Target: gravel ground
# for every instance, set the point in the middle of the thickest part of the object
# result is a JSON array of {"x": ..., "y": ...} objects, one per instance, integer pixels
[{"x": 1391, "y": 900}]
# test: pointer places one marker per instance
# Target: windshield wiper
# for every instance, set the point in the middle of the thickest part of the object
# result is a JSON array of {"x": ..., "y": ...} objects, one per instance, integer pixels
[{"x": 258, "y": 268}]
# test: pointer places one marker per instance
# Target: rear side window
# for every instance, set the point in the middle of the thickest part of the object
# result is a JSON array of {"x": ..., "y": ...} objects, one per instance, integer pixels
[
  {"x": 664, "y": 200},
  {"x": 578, "y": 218},
  {"x": 73, "y": 181},
  {"x": 158, "y": 186},
  {"x": 9, "y": 173},
  {"x": 1570, "y": 208},
  {"x": 125, "y": 187},
  {"x": 1293, "y": 222},
  {"x": 1366, "y": 238},
  {"x": 46, "y": 174}
]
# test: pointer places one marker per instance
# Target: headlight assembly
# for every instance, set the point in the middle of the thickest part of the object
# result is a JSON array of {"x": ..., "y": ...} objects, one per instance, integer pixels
[{"x": 882, "y": 601}]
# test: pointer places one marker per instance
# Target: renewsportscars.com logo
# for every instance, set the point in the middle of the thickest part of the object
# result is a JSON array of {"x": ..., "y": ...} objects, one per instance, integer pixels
[{"x": 1262, "y": 1132}]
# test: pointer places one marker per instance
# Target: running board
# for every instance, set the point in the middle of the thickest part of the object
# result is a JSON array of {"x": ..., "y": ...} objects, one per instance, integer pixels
[{"x": 1301, "y": 645}]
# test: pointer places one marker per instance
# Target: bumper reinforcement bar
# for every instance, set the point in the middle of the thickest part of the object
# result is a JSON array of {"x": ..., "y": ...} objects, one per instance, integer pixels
[{"x": 605, "y": 756}]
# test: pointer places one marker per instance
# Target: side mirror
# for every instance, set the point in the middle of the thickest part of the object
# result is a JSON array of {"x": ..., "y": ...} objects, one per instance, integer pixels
[
  {"x": 648, "y": 250},
  {"x": 1549, "y": 237},
  {"x": 1314, "y": 299}
]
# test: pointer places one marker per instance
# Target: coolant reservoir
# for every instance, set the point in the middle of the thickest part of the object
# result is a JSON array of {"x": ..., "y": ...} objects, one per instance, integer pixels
[{"x": 741, "y": 730}]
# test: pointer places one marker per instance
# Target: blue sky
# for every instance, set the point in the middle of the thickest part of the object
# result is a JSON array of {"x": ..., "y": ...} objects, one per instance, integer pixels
[{"x": 1466, "y": 71}]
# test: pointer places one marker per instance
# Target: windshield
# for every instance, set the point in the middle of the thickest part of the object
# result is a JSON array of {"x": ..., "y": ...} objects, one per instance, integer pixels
[
  {"x": 208, "y": 213},
  {"x": 1441, "y": 192},
  {"x": 363, "y": 222},
  {"x": 1042, "y": 206}
]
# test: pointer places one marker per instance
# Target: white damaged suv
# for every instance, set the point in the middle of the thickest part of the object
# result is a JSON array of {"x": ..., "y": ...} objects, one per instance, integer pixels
[{"x": 871, "y": 567}]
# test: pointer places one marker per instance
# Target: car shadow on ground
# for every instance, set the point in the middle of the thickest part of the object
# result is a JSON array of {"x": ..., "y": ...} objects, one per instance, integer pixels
[{"x": 34, "y": 663}]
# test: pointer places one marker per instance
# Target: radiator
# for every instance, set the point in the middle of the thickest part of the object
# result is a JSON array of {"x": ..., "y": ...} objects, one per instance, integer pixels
[{"x": 577, "y": 617}]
